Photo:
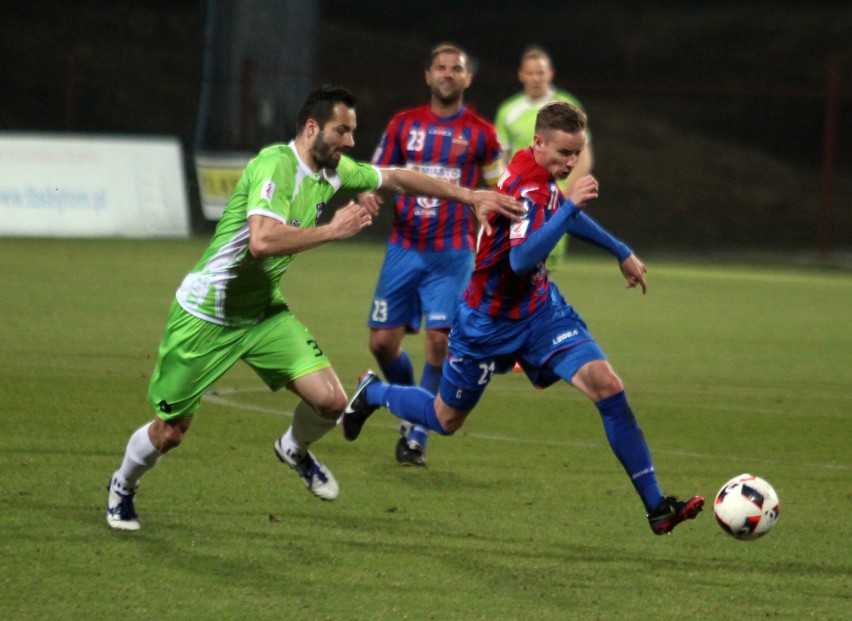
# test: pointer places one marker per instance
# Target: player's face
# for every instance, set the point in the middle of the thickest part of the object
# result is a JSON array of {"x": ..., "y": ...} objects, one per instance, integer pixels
[
  {"x": 337, "y": 137},
  {"x": 557, "y": 151},
  {"x": 448, "y": 77},
  {"x": 536, "y": 75}
]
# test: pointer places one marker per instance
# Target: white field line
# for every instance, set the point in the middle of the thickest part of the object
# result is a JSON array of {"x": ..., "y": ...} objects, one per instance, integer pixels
[{"x": 221, "y": 397}]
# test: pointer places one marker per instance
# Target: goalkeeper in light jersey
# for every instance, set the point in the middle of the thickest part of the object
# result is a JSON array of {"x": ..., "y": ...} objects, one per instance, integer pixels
[
  {"x": 515, "y": 121},
  {"x": 230, "y": 306}
]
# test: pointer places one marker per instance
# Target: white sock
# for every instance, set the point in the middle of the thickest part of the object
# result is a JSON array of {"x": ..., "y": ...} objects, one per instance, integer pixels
[
  {"x": 139, "y": 458},
  {"x": 307, "y": 428}
]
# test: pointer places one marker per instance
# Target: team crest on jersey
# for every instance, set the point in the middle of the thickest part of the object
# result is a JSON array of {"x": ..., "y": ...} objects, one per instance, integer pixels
[
  {"x": 267, "y": 190},
  {"x": 320, "y": 207},
  {"x": 460, "y": 145}
]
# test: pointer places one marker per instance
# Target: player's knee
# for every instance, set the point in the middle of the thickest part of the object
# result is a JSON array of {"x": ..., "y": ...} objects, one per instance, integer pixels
[
  {"x": 329, "y": 403},
  {"x": 384, "y": 350},
  {"x": 437, "y": 344},
  {"x": 331, "y": 406},
  {"x": 598, "y": 381},
  {"x": 167, "y": 434},
  {"x": 609, "y": 384}
]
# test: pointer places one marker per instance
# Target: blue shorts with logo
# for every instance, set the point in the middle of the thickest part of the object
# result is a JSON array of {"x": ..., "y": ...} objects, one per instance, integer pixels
[
  {"x": 481, "y": 345},
  {"x": 413, "y": 284}
]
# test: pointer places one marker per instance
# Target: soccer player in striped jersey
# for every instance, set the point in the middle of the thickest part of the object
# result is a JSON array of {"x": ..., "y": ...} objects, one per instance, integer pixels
[
  {"x": 429, "y": 256},
  {"x": 230, "y": 306},
  {"x": 512, "y": 311},
  {"x": 515, "y": 121}
]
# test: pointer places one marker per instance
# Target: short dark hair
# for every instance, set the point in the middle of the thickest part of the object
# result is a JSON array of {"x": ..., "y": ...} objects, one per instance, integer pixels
[
  {"x": 320, "y": 105},
  {"x": 448, "y": 47},
  {"x": 560, "y": 115}
]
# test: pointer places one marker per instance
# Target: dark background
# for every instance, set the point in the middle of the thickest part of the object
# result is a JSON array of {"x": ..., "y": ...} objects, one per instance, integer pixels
[{"x": 709, "y": 118}]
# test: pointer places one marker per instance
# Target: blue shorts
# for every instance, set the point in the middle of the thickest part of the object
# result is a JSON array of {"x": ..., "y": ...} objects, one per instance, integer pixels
[
  {"x": 413, "y": 284},
  {"x": 481, "y": 345}
]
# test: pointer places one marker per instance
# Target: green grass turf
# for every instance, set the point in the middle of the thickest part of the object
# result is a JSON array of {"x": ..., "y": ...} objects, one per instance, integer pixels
[{"x": 525, "y": 514}]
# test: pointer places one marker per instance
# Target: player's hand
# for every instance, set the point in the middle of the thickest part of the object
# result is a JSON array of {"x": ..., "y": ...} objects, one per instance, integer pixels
[
  {"x": 583, "y": 190},
  {"x": 634, "y": 271},
  {"x": 371, "y": 201},
  {"x": 350, "y": 220},
  {"x": 485, "y": 202}
]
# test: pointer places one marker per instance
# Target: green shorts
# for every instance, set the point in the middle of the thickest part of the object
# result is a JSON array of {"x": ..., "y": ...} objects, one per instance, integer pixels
[{"x": 195, "y": 353}]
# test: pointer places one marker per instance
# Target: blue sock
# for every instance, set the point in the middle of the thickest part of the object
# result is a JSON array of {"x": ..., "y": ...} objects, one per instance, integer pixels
[
  {"x": 628, "y": 443},
  {"x": 430, "y": 381},
  {"x": 410, "y": 403},
  {"x": 418, "y": 434},
  {"x": 399, "y": 371}
]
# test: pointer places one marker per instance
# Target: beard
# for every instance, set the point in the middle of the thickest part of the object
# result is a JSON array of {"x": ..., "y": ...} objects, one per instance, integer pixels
[
  {"x": 324, "y": 154},
  {"x": 448, "y": 96}
]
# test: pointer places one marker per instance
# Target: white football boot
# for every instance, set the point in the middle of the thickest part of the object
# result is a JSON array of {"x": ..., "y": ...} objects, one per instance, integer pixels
[
  {"x": 318, "y": 479},
  {"x": 121, "y": 515}
]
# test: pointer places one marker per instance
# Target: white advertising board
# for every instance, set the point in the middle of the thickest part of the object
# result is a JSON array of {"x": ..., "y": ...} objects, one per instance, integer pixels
[{"x": 56, "y": 185}]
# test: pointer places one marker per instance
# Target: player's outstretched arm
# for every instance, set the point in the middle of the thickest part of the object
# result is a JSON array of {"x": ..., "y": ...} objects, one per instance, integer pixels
[
  {"x": 269, "y": 237},
  {"x": 483, "y": 202}
]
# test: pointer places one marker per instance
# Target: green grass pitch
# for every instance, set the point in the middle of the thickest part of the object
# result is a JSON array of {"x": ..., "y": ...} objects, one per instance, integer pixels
[{"x": 525, "y": 514}]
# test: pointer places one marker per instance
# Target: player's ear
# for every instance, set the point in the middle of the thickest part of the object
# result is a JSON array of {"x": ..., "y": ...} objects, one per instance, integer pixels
[{"x": 311, "y": 128}]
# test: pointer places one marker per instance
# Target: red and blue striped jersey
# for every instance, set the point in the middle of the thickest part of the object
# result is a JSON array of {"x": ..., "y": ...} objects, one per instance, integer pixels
[
  {"x": 494, "y": 288},
  {"x": 458, "y": 149}
]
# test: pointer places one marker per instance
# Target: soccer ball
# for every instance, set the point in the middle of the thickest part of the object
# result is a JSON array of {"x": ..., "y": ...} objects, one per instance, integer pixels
[{"x": 746, "y": 507}]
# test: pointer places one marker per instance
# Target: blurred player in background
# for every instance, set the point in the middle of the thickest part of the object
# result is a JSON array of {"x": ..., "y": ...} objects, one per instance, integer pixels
[
  {"x": 512, "y": 311},
  {"x": 515, "y": 121},
  {"x": 429, "y": 256},
  {"x": 230, "y": 306}
]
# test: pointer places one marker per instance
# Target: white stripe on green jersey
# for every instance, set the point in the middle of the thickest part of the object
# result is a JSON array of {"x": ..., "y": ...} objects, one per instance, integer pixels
[{"x": 230, "y": 287}]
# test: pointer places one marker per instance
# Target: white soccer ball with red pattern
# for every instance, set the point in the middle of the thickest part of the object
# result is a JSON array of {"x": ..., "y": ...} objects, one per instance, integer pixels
[{"x": 746, "y": 507}]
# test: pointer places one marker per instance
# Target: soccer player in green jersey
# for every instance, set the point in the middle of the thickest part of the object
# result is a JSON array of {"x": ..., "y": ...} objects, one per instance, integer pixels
[
  {"x": 230, "y": 306},
  {"x": 515, "y": 121}
]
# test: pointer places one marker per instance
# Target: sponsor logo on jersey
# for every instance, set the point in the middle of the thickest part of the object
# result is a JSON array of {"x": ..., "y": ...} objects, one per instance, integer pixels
[
  {"x": 267, "y": 190},
  {"x": 450, "y": 174},
  {"x": 427, "y": 205},
  {"x": 440, "y": 131}
]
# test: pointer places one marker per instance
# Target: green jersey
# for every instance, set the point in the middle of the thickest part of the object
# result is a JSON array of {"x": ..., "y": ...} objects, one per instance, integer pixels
[
  {"x": 515, "y": 122},
  {"x": 228, "y": 286}
]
